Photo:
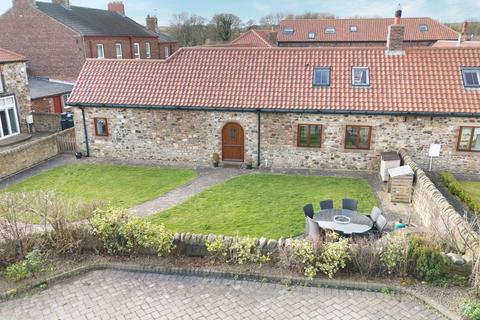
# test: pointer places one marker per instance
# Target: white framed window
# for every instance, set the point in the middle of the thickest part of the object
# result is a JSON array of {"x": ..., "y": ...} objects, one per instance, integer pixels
[
  {"x": 288, "y": 31},
  {"x": 311, "y": 35},
  {"x": 353, "y": 28},
  {"x": 100, "y": 52},
  {"x": 330, "y": 30},
  {"x": 9, "y": 125},
  {"x": 471, "y": 77},
  {"x": 2, "y": 87},
  {"x": 148, "y": 53},
  {"x": 136, "y": 50},
  {"x": 118, "y": 50},
  {"x": 360, "y": 77},
  {"x": 423, "y": 28},
  {"x": 166, "y": 52}
]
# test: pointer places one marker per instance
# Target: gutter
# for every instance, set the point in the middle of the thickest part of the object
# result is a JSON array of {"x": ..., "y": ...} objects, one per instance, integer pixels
[
  {"x": 273, "y": 110},
  {"x": 258, "y": 138},
  {"x": 85, "y": 131}
]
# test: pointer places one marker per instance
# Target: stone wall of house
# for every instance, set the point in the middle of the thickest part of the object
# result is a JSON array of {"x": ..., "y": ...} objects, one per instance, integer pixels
[
  {"x": 16, "y": 81},
  {"x": 47, "y": 122},
  {"x": 192, "y": 136},
  {"x": 182, "y": 136},
  {"x": 436, "y": 213}
]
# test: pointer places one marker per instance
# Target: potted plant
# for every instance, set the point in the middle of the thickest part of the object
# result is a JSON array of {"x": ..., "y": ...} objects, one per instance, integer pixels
[
  {"x": 215, "y": 159},
  {"x": 248, "y": 162}
]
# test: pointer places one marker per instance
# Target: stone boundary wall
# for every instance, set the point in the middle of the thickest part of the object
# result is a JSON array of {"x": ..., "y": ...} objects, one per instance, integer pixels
[
  {"x": 47, "y": 122},
  {"x": 437, "y": 214},
  {"x": 26, "y": 155},
  {"x": 195, "y": 245}
]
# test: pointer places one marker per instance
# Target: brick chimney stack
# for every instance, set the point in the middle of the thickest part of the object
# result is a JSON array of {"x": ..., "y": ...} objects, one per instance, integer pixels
[
  {"x": 65, "y": 3},
  {"x": 116, "y": 6},
  {"x": 395, "y": 36},
  {"x": 152, "y": 23},
  {"x": 20, "y": 3}
]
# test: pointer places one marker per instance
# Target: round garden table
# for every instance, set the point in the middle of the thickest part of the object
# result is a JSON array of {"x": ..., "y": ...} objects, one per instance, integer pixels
[{"x": 358, "y": 223}]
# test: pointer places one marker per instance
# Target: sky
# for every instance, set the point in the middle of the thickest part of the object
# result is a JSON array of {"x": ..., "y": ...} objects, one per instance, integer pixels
[{"x": 443, "y": 10}]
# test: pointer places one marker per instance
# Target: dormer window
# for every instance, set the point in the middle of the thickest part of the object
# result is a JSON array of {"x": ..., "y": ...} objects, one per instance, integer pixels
[
  {"x": 100, "y": 52},
  {"x": 330, "y": 30},
  {"x": 353, "y": 28},
  {"x": 471, "y": 77},
  {"x": 360, "y": 77},
  {"x": 311, "y": 35},
  {"x": 288, "y": 31},
  {"x": 321, "y": 76},
  {"x": 423, "y": 28}
]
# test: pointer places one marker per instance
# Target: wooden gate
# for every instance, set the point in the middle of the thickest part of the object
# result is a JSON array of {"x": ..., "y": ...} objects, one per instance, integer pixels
[{"x": 66, "y": 141}]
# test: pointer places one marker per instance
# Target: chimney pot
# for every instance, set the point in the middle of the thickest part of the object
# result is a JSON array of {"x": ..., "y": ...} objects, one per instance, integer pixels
[
  {"x": 398, "y": 15},
  {"x": 116, "y": 6},
  {"x": 152, "y": 23}
]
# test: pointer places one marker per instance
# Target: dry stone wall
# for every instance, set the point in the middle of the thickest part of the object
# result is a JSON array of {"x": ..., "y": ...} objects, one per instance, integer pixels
[{"x": 436, "y": 213}]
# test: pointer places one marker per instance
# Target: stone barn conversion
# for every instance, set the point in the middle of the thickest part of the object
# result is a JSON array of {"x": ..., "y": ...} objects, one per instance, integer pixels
[{"x": 291, "y": 107}]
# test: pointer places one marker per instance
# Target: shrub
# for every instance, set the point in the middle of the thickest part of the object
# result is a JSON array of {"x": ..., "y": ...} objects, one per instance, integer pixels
[
  {"x": 122, "y": 233},
  {"x": 458, "y": 190},
  {"x": 334, "y": 256},
  {"x": 470, "y": 310},
  {"x": 300, "y": 256},
  {"x": 32, "y": 264},
  {"x": 366, "y": 254},
  {"x": 394, "y": 257},
  {"x": 426, "y": 260},
  {"x": 239, "y": 251}
]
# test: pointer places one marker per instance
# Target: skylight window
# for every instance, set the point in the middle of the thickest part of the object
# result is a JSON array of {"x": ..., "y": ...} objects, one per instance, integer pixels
[
  {"x": 471, "y": 77},
  {"x": 311, "y": 35},
  {"x": 423, "y": 28},
  {"x": 360, "y": 77},
  {"x": 288, "y": 31},
  {"x": 330, "y": 30},
  {"x": 353, "y": 28},
  {"x": 321, "y": 76}
]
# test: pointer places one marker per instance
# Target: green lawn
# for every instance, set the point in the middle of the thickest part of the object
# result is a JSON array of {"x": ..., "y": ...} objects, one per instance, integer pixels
[
  {"x": 262, "y": 204},
  {"x": 473, "y": 188},
  {"x": 121, "y": 186}
]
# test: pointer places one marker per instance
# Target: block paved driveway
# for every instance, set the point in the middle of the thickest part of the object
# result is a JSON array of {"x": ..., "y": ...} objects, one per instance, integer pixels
[{"x": 126, "y": 295}]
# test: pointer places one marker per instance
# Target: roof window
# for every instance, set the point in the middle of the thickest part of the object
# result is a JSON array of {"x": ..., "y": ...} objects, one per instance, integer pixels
[
  {"x": 360, "y": 77},
  {"x": 471, "y": 77},
  {"x": 423, "y": 28},
  {"x": 288, "y": 31},
  {"x": 321, "y": 76},
  {"x": 353, "y": 28},
  {"x": 330, "y": 30},
  {"x": 311, "y": 35}
]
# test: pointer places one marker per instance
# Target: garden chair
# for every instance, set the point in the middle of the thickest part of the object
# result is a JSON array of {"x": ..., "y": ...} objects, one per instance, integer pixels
[
  {"x": 376, "y": 212},
  {"x": 308, "y": 210},
  {"x": 349, "y": 204},
  {"x": 326, "y": 204},
  {"x": 313, "y": 230},
  {"x": 380, "y": 223}
]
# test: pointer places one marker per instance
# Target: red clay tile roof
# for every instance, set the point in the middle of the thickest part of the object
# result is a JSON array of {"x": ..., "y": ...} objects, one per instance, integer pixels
[
  {"x": 10, "y": 56},
  {"x": 368, "y": 30},
  {"x": 424, "y": 80},
  {"x": 254, "y": 38},
  {"x": 454, "y": 44}
]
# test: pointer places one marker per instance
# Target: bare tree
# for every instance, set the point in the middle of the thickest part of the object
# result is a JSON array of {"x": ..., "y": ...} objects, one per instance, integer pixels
[
  {"x": 311, "y": 15},
  {"x": 272, "y": 20},
  {"x": 189, "y": 30}
]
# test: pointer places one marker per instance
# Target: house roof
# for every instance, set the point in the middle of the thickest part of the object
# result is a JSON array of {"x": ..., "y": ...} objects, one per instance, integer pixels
[
  {"x": 255, "y": 38},
  {"x": 367, "y": 30},
  {"x": 7, "y": 56},
  {"x": 44, "y": 87},
  {"x": 424, "y": 80},
  {"x": 94, "y": 22},
  {"x": 454, "y": 44}
]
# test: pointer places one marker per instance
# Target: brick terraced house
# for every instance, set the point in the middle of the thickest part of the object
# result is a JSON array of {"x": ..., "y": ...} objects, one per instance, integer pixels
[
  {"x": 291, "y": 107},
  {"x": 57, "y": 38},
  {"x": 14, "y": 94}
]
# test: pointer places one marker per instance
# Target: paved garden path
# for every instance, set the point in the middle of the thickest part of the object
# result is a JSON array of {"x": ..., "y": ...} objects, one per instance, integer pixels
[
  {"x": 207, "y": 177},
  {"x": 126, "y": 295}
]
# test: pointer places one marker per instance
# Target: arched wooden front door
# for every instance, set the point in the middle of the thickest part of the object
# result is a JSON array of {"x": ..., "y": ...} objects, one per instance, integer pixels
[{"x": 232, "y": 142}]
